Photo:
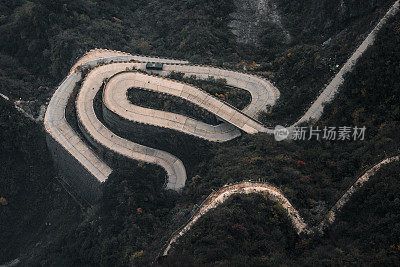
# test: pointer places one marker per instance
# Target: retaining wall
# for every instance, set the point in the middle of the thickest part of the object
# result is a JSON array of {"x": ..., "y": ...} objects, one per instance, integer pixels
[{"x": 68, "y": 167}]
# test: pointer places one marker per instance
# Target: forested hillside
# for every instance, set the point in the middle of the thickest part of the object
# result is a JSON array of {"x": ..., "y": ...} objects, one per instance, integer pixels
[
  {"x": 252, "y": 231},
  {"x": 33, "y": 203},
  {"x": 43, "y": 225},
  {"x": 53, "y": 34},
  {"x": 367, "y": 231}
]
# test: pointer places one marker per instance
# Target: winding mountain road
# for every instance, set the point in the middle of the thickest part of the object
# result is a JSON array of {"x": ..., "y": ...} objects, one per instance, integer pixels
[
  {"x": 120, "y": 71},
  {"x": 113, "y": 65},
  {"x": 118, "y": 109}
]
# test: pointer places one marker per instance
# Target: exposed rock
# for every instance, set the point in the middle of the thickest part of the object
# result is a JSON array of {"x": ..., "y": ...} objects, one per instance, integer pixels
[
  {"x": 250, "y": 17},
  {"x": 289, "y": 19}
]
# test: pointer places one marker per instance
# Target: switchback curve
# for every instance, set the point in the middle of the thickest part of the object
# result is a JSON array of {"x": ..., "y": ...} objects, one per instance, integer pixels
[
  {"x": 61, "y": 135},
  {"x": 115, "y": 65}
]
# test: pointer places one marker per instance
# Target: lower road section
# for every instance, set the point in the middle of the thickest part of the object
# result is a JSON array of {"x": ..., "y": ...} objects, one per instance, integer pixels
[{"x": 249, "y": 187}]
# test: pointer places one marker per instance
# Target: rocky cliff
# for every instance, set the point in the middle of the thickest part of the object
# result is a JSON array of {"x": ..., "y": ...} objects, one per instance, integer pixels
[{"x": 292, "y": 19}]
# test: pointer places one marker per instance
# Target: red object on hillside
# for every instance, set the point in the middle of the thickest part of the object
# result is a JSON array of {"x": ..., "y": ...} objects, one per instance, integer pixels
[
  {"x": 300, "y": 163},
  {"x": 139, "y": 210}
]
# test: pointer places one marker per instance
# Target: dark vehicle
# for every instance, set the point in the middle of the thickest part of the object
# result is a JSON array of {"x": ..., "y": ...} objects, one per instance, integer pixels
[{"x": 154, "y": 66}]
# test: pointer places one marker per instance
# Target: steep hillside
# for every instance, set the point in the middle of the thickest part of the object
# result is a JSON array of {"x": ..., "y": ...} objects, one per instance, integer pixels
[
  {"x": 283, "y": 22},
  {"x": 322, "y": 40},
  {"x": 52, "y": 34},
  {"x": 34, "y": 204},
  {"x": 367, "y": 230},
  {"x": 136, "y": 217}
]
